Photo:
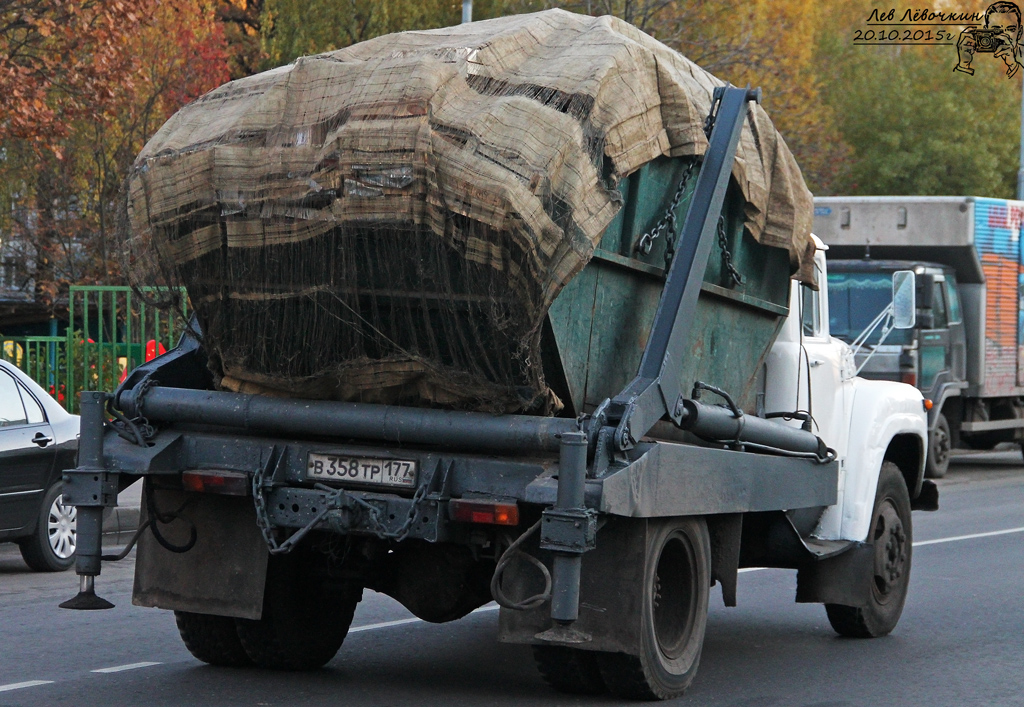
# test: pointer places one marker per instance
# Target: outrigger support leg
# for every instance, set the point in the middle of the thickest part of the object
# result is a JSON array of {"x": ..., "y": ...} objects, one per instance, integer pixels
[
  {"x": 90, "y": 488},
  {"x": 569, "y": 529}
]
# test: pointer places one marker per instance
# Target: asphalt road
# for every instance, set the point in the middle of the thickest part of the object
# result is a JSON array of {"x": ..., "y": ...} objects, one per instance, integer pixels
[{"x": 959, "y": 643}]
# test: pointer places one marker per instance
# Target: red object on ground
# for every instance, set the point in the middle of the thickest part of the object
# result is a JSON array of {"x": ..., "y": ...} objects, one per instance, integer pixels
[{"x": 153, "y": 349}]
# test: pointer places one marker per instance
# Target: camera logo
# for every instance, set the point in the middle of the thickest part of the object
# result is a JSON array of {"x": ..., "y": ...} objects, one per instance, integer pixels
[{"x": 1000, "y": 37}]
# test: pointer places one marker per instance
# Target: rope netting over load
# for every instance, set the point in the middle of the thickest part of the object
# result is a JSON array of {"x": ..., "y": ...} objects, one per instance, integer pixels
[{"x": 391, "y": 222}]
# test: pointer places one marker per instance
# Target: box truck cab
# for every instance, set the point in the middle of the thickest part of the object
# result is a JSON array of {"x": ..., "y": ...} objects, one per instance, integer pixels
[
  {"x": 930, "y": 356},
  {"x": 964, "y": 352}
]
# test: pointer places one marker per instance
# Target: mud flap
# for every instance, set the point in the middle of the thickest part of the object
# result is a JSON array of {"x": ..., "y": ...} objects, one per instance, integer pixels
[
  {"x": 223, "y": 574},
  {"x": 610, "y": 592},
  {"x": 844, "y": 579}
]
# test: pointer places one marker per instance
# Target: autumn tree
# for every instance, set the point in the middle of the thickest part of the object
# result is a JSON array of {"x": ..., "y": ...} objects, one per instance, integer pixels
[
  {"x": 242, "y": 22},
  {"x": 66, "y": 146},
  {"x": 60, "y": 60}
]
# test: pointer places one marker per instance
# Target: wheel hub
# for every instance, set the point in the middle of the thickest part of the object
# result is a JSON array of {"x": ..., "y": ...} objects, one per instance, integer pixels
[
  {"x": 890, "y": 540},
  {"x": 940, "y": 447},
  {"x": 62, "y": 527},
  {"x": 673, "y": 597}
]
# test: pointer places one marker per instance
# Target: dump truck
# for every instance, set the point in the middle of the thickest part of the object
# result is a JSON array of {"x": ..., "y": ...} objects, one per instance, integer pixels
[
  {"x": 565, "y": 348},
  {"x": 964, "y": 353}
]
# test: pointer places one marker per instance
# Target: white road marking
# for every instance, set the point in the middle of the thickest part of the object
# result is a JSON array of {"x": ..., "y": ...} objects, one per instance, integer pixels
[
  {"x": 414, "y": 620},
  {"x": 27, "y": 683},
  {"x": 129, "y": 666},
  {"x": 936, "y": 541},
  {"x": 384, "y": 624},
  {"x": 972, "y": 536}
]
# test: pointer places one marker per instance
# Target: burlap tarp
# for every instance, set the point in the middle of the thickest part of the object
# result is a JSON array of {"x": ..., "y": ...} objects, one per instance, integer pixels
[{"x": 312, "y": 198}]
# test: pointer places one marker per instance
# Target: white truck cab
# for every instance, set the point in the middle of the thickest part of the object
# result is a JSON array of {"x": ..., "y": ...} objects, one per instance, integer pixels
[{"x": 865, "y": 422}]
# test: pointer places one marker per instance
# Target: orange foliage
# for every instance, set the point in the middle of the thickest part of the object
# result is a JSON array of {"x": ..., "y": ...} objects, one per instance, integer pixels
[
  {"x": 60, "y": 59},
  {"x": 83, "y": 85}
]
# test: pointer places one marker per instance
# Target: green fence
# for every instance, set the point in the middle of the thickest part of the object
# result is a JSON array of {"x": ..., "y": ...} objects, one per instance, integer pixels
[
  {"x": 110, "y": 332},
  {"x": 44, "y": 358}
]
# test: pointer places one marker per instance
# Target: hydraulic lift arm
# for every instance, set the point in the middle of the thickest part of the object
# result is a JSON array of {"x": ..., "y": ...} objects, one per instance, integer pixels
[{"x": 656, "y": 390}]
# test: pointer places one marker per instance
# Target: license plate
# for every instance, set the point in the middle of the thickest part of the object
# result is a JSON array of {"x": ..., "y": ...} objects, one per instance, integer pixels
[{"x": 363, "y": 470}]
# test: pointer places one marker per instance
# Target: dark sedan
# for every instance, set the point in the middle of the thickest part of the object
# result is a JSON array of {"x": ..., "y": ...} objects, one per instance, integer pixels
[{"x": 38, "y": 440}]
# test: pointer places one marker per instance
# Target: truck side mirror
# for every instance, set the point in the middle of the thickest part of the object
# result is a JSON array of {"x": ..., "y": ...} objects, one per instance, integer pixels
[
  {"x": 925, "y": 290},
  {"x": 904, "y": 306}
]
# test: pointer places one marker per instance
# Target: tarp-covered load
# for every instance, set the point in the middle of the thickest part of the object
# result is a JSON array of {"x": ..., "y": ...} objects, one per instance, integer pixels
[{"x": 391, "y": 222}]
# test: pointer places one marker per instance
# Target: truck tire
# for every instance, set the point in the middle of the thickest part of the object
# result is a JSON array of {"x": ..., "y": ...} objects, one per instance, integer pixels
[
  {"x": 676, "y": 585},
  {"x": 570, "y": 670},
  {"x": 51, "y": 548},
  {"x": 939, "y": 445},
  {"x": 211, "y": 639},
  {"x": 304, "y": 619},
  {"x": 892, "y": 536}
]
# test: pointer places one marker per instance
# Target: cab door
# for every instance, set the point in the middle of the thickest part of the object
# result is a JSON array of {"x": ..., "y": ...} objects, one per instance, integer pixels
[
  {"x": 933, "y": 343},
  {"x": 822, "y": 366},
  {"x": 27, "y": 453},
  {"x": 957, "y": 335}
]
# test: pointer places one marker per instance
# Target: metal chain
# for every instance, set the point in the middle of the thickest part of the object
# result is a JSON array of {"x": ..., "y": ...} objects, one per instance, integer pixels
[
  {"x": 723, "y": 243},
  {"x": 668, "y": 219},
  {"x": 335, "y": 499},
  {"x": 374, "y": 515},
  {"x": 262, "y": 517}
]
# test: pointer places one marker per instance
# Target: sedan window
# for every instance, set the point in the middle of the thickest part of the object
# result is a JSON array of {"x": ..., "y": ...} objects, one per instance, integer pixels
[
  {"x": 33, "y": 409},
  {"x": 12, "y": 411}
]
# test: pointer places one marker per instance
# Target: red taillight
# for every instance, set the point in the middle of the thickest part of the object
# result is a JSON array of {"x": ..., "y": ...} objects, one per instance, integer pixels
[
  {"x": 483, "y": 511},
  {"x": 909, "y": 377},
  {"x": 228, "y": 483}
]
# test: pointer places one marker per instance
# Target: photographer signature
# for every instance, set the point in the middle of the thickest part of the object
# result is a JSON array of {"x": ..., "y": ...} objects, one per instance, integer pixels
[{"x": 1001, "y": 37}]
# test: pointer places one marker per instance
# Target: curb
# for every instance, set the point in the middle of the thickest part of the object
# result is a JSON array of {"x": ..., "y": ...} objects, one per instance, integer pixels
[
  {"x": 121, "y": 520},
  {"x": 124, "y": 517}
]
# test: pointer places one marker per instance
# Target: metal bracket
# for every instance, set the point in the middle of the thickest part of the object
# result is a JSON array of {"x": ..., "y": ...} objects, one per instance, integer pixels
[
  {"x": 90, "y": 487},
  {"x": 572, "y": 530}
]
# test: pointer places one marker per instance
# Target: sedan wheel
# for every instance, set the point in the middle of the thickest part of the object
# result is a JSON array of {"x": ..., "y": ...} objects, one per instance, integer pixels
[
  {"x": 61, "y": 527},
  {"x": 52, "y": 547}
]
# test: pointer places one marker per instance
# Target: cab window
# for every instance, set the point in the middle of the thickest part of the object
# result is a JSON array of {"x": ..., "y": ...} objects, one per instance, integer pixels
[
  {"x": 954, "y": 301},
  {"x": 12, "y": 412},
  {"x": 810, "y": 301},
  {"x": 939, "y": 305}
]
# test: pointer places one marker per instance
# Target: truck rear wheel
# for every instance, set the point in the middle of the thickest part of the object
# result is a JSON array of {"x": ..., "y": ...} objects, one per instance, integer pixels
[
  {"x": 676, "y": 585},
  {"x": 937, "y": 463},
  {"x": 892, "y": 537},
  {"x": 211, "y": 639},
  {"x": 304, "y": 622},
  {"x": 569, "y": 670}
]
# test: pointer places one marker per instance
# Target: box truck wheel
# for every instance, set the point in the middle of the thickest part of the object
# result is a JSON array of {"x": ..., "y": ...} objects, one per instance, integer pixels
[
  {"x": 674, "y": 612},
  {"x": 304, "y": 622},
  {"x": 211, "y": 639},
  {"x": 937, "y": 463},
  {"x": 892, "y": 537},
  {"x": 569, "y": 670}
]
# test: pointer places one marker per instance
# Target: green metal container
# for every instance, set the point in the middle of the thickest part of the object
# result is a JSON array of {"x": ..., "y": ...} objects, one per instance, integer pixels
[{"x": 599, "y": 324}]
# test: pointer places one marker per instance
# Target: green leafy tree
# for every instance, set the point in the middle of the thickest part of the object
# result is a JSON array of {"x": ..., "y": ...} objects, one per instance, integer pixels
[
  {"x": 916, "y": 127},
  {"x": 294, "y": 28}
]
